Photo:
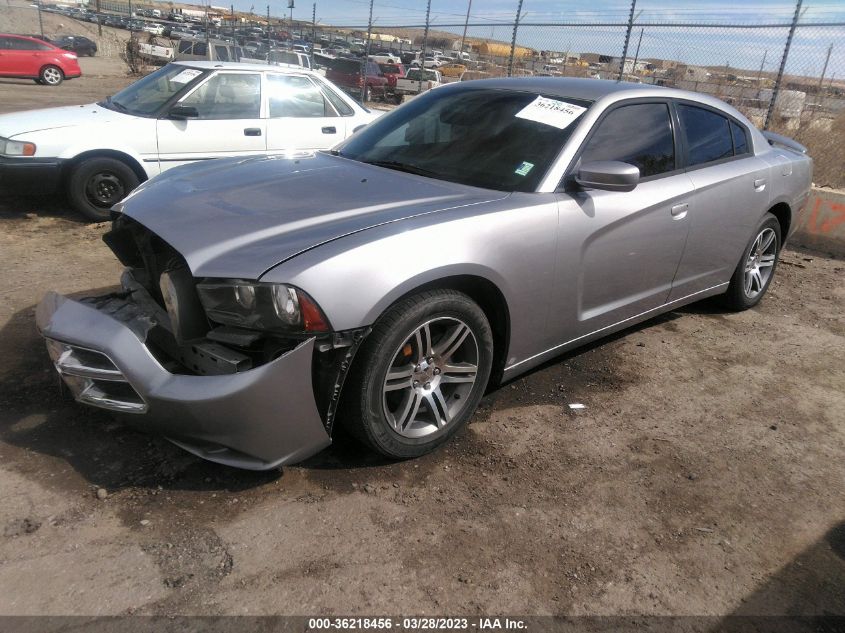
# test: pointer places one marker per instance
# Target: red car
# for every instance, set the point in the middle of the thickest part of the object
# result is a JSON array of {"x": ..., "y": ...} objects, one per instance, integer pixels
[
  {"x": 347, "y": 73},
  {"x": 392, "y": 72},
  {"x": 30, "y": 58}
]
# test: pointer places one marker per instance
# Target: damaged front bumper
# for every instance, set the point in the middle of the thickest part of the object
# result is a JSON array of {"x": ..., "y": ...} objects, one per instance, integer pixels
[{"x": 256, "y": 419}]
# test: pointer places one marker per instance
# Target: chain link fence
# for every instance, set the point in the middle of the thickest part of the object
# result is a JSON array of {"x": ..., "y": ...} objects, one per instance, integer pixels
[{"x": 785, "y": 76}]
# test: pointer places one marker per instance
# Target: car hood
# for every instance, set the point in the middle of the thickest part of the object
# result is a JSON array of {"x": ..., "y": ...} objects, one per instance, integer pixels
[
  {"x": 17, "y": 123},
  {"x": 240, "y": 217}
]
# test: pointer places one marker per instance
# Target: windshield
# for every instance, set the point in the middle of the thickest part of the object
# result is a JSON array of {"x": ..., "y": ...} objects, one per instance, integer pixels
[
  {"x": 498, "y": 139},
  {"x": 146, "y": 96}
]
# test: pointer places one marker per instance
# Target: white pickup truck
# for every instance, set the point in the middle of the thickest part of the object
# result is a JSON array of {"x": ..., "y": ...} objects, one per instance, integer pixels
[{"x": 410, "y": 84}]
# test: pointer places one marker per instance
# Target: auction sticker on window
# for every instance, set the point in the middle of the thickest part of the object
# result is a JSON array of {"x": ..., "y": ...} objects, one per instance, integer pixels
[
  {"x": 552, "y": 112},
  {"x": 186, "y": 76}
]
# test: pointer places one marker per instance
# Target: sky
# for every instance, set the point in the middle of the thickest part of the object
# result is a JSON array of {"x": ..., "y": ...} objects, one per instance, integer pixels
[{"x": 739, "y": 48}]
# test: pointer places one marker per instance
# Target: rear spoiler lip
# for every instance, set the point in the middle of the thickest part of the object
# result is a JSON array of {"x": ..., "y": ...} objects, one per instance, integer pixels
[{"x": 784, "y": 141}]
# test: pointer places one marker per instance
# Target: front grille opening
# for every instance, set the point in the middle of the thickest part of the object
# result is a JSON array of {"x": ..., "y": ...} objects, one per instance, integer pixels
[{"x": 186, "y": 342}]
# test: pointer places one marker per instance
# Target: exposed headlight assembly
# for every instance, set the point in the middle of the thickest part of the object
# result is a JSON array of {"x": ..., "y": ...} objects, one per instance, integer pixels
[
  {"x": 16, "y": 148},
  {"x": 261, "y": 306}
]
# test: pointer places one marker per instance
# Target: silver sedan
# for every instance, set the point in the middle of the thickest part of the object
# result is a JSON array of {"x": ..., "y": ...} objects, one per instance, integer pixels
[{"x": 455, "y": 243}]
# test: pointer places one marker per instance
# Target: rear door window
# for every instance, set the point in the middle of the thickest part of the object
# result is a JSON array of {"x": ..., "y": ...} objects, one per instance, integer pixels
[
  {"x": 708, "y": 135},
  {"x": 639, "y": 134},
  {"x": 292, "y": 96}
]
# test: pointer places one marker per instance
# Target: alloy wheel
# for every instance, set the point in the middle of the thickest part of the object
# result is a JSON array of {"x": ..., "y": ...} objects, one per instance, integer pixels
[
  {"x": 52, "y": 76},
  {"x": 430, "y": 378},
  {"x": 760, "y": 263}
]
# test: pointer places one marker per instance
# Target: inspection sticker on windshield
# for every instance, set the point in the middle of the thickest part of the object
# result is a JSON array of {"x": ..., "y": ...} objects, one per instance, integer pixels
[
  {"x": 186, "y": 76},
  {"x": 552, "y": 112},
  {"x": 524, "y": 168}
]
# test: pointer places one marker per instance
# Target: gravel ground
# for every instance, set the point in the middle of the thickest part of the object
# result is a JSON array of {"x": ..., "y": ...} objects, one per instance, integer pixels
[{"x": 705, "y": 475}]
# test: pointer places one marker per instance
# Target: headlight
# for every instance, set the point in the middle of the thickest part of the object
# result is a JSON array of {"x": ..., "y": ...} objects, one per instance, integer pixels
[
  {"x": 16, "y": 148},
  {"x": 260, "y": 306}
]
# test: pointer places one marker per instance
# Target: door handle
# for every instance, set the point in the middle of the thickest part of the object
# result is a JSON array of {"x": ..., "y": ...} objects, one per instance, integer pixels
[
  {"x": 680, "y": 210},
  {"x": 252, "y": 131},
  {"x": 330, "y": 129},
  {"x": 760, "y": 183}
]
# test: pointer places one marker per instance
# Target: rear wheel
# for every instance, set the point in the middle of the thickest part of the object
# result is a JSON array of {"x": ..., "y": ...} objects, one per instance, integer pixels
[
  {"x": 755, "y": 270},
  {"x": 420, "y": 374},
  {"x": 51, "y": 75},
  {"x": 96, "y": 184},
  {"x": 368, "y": 94}
]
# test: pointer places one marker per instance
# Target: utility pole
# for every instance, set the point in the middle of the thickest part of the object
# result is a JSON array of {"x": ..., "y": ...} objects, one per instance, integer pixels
[
  {"x": 466, "y": 24},
  {"x": 424, "y": 46},
  {"x": 760, "y": 72},
  {"x": 513, "y": 38},
  {"x": 783, "y": 59},
  {"x": 824, "y": 71},
  {"x": 41, "y": 21},
  {"x": 268, "y": 34},
  {"x": 637, "y": 54},
  {"x": 366, "y": 55},
  {"x": 99, "y": 18},
  {"x": 627, "y": 39},
  {"x": 313, "y": 31}
]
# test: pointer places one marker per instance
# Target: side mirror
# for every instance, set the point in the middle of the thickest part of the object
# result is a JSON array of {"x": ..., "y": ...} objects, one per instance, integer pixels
[
  {"x": 609, "y": 175},
  {"x": 183, "y": 112}
]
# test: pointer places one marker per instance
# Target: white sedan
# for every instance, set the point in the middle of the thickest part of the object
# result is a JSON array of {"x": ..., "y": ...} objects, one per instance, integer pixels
[{"x": 183, "y": 112}]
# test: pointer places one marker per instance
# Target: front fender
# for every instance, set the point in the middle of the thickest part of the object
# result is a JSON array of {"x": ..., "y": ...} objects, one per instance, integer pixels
[{"x": 511, "y": 244}]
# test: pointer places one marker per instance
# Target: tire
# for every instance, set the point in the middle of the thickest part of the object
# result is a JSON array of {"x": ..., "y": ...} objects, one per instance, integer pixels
[
  {"x": 368, "y": 94},
  {"x": 756, "y": 268},
  {"x": 96, "y": 184},
  {"x": 51, "y": 76},
  {"x": 430, "y": 396},
  {"x": 397, "y": 99}
]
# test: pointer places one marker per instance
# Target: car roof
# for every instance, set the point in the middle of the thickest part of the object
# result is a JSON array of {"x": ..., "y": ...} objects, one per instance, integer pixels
[
  {"x": 595, "y": 90},
  {"x": 210, "y": 65},
  {"x": 572, "y": 87}
]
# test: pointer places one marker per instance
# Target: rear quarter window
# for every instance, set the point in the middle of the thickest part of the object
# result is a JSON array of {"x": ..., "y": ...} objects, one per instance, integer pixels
[{"x": 740, "y": 139}]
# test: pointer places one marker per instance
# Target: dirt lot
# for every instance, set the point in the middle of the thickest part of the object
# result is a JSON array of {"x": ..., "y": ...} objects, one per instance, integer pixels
[{"x": 705, "y": 476}]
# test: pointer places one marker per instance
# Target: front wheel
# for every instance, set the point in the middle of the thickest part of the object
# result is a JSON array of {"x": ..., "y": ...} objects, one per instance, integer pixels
[
  {"x": 420, "y": 374},
  {"x": 51, "y": 76},
  {"x": 368, "y": 94},
  {"x": 755, "y": 270},
  {"x": 96, "y": 184}
]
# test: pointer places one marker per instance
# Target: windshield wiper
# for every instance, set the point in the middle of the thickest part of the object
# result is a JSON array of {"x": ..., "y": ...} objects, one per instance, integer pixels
[
  {"x": 410, "y": 169},
  {"x": 116, "y": 104}
]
